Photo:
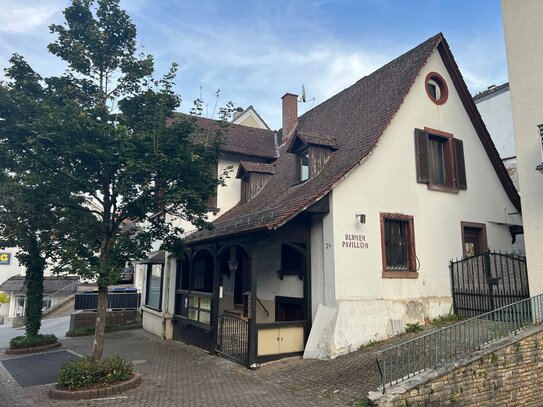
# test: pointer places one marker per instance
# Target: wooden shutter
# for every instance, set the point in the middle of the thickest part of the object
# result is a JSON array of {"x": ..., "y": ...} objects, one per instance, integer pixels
[
  {"x": 421, "y": 156},
  {"x": 459, "y": 164}
]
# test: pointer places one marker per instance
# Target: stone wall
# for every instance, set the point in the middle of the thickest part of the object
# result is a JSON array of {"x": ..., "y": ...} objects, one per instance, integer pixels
[
  {"x": 84, "y": 319},
  {"x": 506, "y": 373}
]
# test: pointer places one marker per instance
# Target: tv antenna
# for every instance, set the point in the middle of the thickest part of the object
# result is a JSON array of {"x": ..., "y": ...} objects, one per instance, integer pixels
[{"x": 303, "y": 98}]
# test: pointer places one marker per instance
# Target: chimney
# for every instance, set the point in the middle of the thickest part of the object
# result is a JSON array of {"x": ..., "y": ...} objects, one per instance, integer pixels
[
  {"x": 237, "y": 113},
  {"x": 290, "y": 115}
]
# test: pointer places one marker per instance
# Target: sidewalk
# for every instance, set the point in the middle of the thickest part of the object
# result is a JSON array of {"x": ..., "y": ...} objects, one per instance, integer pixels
[{"x": 175, "y": 374}]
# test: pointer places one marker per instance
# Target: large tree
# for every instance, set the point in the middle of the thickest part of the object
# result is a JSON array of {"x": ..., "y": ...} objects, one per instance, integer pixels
[
  {"x": 32, "y": 199},
  {"x": 113, "y": 143}
]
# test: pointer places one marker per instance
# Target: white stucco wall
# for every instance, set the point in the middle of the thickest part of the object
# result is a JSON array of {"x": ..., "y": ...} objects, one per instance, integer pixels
[
  {"x": 523, "y": 38},
  {"x": 369, "y": 306},
  {"x": 495, "y": 109}
]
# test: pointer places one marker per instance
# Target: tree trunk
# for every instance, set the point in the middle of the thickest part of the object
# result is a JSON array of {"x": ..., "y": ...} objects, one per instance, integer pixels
[
  {"x": 34, "y": 288},
  {"x": 100, "y": 327}
]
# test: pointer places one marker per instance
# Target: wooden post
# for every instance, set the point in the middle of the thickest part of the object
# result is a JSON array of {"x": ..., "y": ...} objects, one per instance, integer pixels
[
  {"x": 215, "y": 303},
  {"x": 252, "y": 303}
]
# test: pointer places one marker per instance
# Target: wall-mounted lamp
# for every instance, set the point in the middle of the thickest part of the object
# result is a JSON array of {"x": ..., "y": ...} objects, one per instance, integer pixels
[
  {"x": 232, "y": 265},
  {"x": 361, "y": 218}
]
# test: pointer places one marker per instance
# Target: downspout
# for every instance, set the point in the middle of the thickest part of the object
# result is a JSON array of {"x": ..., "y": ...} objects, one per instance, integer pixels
[{"x": 166, "y": 299}]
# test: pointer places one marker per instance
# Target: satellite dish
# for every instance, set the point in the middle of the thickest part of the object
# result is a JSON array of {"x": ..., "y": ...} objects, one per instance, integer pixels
[{"x": 303, "y": 93}]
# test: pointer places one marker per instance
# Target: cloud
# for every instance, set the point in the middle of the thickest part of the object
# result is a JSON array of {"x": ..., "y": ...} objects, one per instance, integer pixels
[{"x": 26, "y": 16}]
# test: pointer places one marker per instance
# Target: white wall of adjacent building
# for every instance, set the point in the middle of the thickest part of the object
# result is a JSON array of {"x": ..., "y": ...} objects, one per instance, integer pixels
[{"x": 523, "y": 38}]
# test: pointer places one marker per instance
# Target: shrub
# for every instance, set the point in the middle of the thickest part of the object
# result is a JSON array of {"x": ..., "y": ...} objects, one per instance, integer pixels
[
  {"x": 20, "y": 342},
  {"x": 445, "y": 319},
  {"x": 415, "y": 327},
  {"x": 4, "y": 298},
  {"x": 85, "y": 372}
]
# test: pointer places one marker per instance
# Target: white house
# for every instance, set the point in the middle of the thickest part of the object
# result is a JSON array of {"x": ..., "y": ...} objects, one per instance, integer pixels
[
  {"x": 523, "y": 38},
  {"x": 345, "y": 233}
]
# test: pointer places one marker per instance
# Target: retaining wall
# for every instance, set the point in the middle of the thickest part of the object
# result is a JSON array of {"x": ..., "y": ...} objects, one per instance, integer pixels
[{"x": 506, "y": 373}]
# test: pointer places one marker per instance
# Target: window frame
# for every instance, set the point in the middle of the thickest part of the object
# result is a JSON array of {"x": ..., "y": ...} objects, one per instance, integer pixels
[
  {"x": 299, "y": 157},
  {"x": 147, "y": 281},
  {"x": 454, "y": 161},
  {"x": 441, "y": 84},
  {"x": 411, "y": 272}
]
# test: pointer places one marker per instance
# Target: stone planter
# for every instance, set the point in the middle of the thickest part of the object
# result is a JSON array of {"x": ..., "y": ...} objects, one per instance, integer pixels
[
  {"x": 35, "y": 349},
  {"x": 95, "y": 393}
]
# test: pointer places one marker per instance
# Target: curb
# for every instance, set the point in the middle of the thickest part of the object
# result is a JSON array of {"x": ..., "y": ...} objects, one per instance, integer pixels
[
  {"x": 100, "y": 392},
  {"x": 122, "y": 328},
  {"x": 35, "y": 349}
]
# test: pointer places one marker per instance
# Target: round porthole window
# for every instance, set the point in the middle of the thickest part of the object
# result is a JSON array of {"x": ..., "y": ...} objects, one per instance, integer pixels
[{"x": 436, "y": 88}]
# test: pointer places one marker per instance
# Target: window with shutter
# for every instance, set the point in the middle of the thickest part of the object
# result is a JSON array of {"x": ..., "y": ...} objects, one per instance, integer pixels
[{"x": 439, "y": 160}]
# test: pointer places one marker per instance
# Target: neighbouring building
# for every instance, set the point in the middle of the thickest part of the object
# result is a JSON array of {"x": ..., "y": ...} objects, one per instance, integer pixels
[
  {"x": 55, "y": 291},
  {"x": 249, "y": 117},
  {"x": 248, "y": 140},
  {"x": 494, "y": 105},
  {"x": 344, "y": 232},
  {"x": 523, "y": 39}
]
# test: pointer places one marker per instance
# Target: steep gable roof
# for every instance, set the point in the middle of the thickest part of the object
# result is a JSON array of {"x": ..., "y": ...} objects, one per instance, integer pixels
[{"x": 355, "y": 119}]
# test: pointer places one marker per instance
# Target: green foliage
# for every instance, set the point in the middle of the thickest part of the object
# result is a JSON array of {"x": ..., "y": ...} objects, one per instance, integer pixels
[
  {"x": 86, "y": 372},
  {"x": 445, "y": 319},
  {"x": 4, "y": 298},
  {"x": 24, "y": 341},
  {"x": 97, "y": 157},
  {"x": 88, "y": 330},
  {"x": 368, "y": 344},
  {"x": 414, "y": 327}
]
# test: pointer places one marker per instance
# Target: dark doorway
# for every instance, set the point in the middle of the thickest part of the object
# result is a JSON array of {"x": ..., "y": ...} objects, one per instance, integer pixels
[
  {"x": 473, "y": 238},
  {"x": 289, "y": 309}
]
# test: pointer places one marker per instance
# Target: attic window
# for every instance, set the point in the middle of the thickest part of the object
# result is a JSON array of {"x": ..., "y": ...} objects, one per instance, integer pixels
[
  {"x": 303, "y": 166},
  {"x": 436, "y": 88}
]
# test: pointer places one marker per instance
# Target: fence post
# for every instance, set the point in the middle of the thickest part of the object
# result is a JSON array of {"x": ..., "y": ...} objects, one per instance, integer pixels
[
  {"x": 453, "y": 289},
  {"x": 488, "y": 273}
]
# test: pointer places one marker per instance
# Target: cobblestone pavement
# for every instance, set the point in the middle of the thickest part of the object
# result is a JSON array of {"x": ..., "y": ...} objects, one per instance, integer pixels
[{"x": 175, "y": 374}]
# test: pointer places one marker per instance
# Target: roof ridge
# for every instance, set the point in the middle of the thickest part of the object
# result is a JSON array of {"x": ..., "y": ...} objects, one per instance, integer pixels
[{"x": 436, "y": 38}]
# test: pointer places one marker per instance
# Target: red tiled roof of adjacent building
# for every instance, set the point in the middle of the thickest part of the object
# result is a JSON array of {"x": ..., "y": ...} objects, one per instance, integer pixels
[{"x": 238, "y": 139}]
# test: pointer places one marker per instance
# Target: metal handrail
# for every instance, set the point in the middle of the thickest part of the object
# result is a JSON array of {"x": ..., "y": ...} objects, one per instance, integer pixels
[
  {"x": 435, "y": 349},
  {"x": 70, "y": 289},
  {"x": 263, "y": 307}
]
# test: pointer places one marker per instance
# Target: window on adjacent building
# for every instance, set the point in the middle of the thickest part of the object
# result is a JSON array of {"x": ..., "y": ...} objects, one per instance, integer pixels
[
  {"x": 303, "y": 166},
  {"x": 245, "y": 189},
  {"x": 440, "y": 160},
  {"x": 398, "y": 245},
  {"x": 153, "y": 297}
]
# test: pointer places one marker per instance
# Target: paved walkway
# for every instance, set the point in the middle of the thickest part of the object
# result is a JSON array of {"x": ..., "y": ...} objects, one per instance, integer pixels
[{"x": 175, "y": 374}]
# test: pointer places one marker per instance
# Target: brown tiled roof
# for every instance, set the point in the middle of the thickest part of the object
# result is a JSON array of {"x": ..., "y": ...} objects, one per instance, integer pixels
[
  {"x": 247, "y": 166},
  {"x": 315, "y": 139},
  {"x": 50, "y": 284},
  {"x": 239, "y": 139},
  {"x": 356, "y": 118}
]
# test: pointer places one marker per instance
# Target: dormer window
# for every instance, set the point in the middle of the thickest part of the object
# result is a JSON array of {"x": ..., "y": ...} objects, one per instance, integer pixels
[
  {"x": 312, "y": 153},
  {"x": 253, "y": 177},
  {"x": 303, "y": 165}
]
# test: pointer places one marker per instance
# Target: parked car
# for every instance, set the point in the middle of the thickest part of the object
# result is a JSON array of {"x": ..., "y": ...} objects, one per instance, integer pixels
[{"x": 127, "y": 276}]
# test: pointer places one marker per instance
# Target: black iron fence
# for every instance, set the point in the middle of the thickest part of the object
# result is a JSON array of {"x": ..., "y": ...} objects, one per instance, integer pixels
[
  {"x": 488, "y": 281},
  {"x": 120, "y": 300}
]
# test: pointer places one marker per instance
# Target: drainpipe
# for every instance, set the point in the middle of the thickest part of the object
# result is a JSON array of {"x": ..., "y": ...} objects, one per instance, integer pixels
[{"x": 166, "y": 299}]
